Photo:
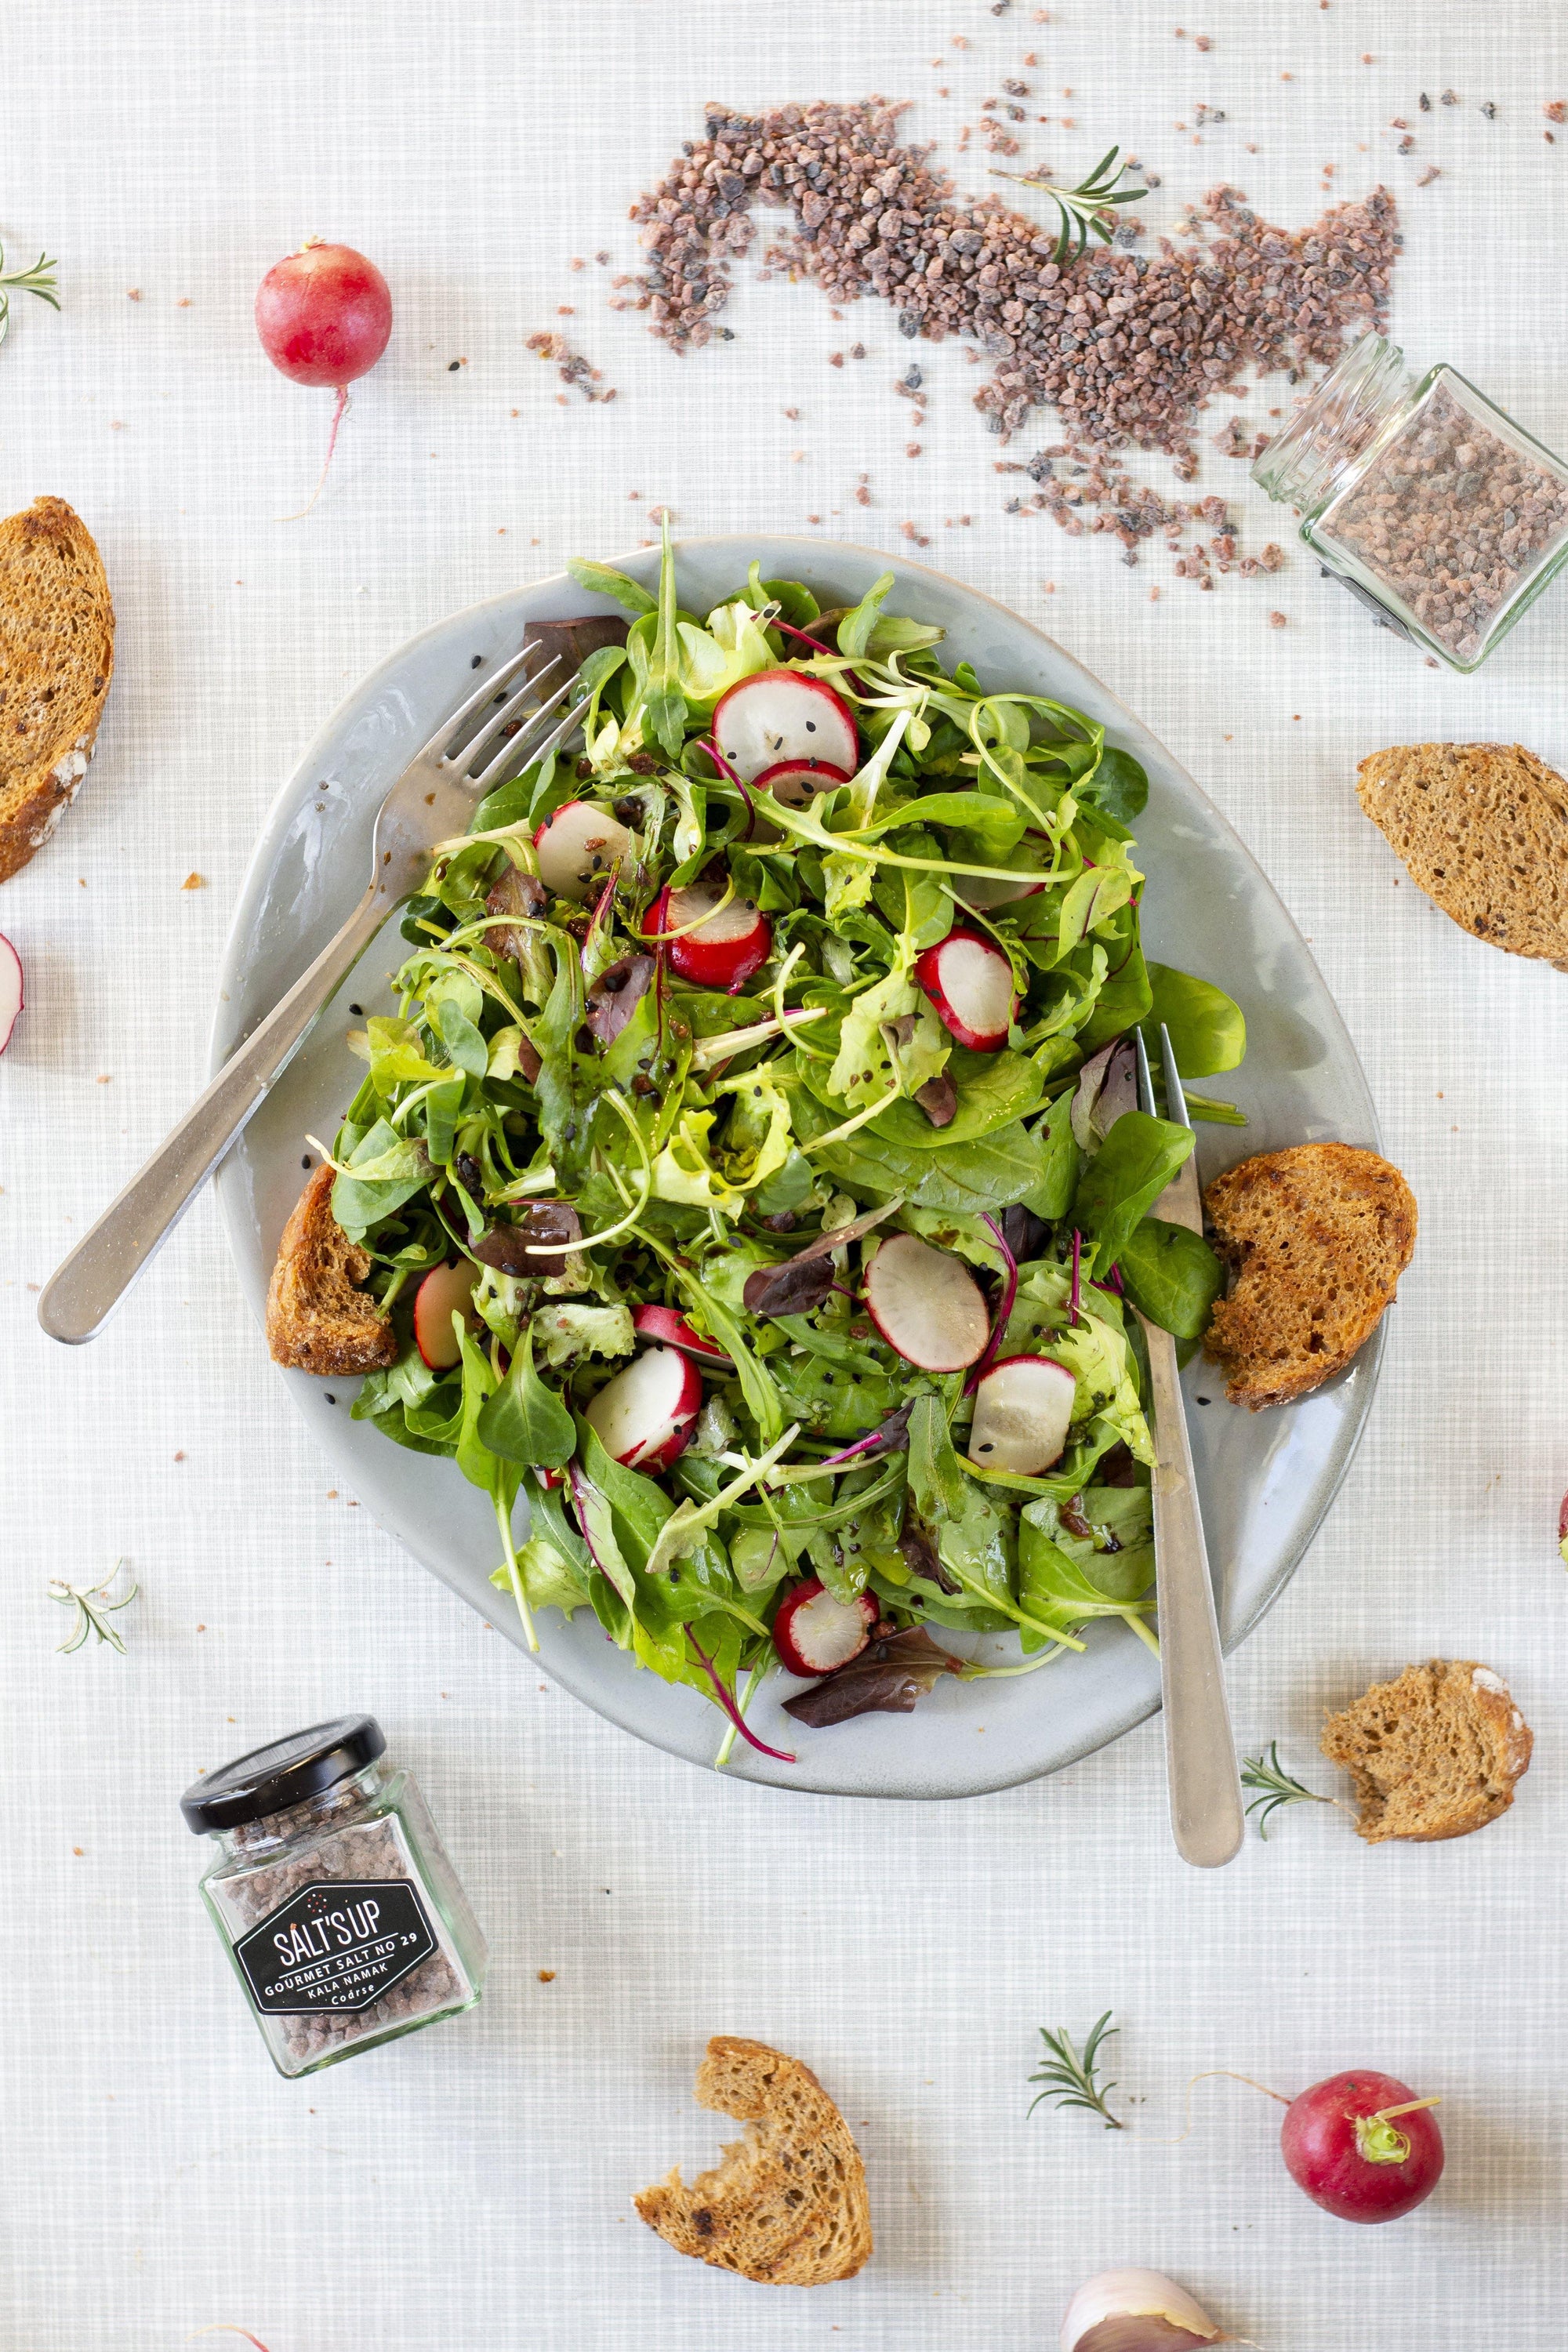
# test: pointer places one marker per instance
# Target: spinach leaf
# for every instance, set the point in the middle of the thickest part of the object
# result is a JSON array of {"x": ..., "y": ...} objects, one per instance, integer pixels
[
  {"x": 1171, "y": 1275},
  {"x": 1119, "y": 786},
  {"x": 1125, "y": 1178},
  {"x": 993, "y": 1089},
  {"x": 1208, "y": 1031},
  {"x": 388, "y": 1169},
  {"x": 524, "y": 1419},
  {"x": 991, "y": 1173},
  {"x": 1056, "y": 1174}
]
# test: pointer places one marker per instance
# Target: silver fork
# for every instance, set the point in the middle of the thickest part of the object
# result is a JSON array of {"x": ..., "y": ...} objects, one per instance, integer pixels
[
  {"x": 432, "y": 800},
  {"x": 1206, "y": 1819}
]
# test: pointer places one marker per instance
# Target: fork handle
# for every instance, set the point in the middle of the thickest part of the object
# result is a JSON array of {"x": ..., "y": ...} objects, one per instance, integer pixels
[
  {"x": 1206, "y": 1819},
  {"x": 84, "y": 1290}
]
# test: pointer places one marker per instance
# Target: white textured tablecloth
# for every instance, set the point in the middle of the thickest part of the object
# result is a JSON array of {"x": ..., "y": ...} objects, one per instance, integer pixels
[{"x": 470, "y": 2188}]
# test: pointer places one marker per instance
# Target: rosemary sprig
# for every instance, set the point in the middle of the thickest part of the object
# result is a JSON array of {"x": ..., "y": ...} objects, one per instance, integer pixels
[
  {"x": 93, "y": 1610},
  {"x": 1081, "y": 210},
  {"x": 39, "y": 281},
  {"x": 1068, "y": 2074},
  {"x": 1275, "y": 1787}
]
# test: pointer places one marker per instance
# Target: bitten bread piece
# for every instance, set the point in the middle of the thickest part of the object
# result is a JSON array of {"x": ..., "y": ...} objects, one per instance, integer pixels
[
  {"x": 318, "y": 1320},
  {"x": 1483, "y": 828},
  {"x": 1434, "y": 1755},
  {"x": 1318, "y": 1237},
  {"x": 788, "y": 2207},
  {"x": 57, "y": 654}
]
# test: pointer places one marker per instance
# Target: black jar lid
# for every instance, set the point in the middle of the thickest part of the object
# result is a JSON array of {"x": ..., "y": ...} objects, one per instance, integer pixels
[{"x": 286, "y": 1772}]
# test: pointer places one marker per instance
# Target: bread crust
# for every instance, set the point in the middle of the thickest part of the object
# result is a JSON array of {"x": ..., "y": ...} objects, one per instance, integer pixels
[
  {"x": 317, "y": 1320},
  {"x": 1483, "y": 830},
  {"x": 1434, "y": 1754},
  {"x": 56, "y": 657},
  {"x": 1316, "y": 1237},
  {"x": 788, "y": 2205}
]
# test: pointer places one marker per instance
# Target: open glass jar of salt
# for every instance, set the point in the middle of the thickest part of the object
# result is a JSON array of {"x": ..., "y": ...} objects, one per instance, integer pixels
[
  {"x": 1429, "y": 502},
  {"x": 343, "y": 1917}
]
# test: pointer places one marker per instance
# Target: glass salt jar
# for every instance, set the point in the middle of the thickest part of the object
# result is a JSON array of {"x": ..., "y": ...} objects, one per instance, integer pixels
[
  {"x": 1424, "y": 499},
  {"x": 341, "y": 1915}
]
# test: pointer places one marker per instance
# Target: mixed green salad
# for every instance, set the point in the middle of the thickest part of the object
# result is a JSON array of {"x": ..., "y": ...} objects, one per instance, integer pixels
[{"x": 751, "y": 1166}]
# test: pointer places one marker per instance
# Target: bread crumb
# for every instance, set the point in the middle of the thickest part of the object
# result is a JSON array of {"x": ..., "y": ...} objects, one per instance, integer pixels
[
  {"x": 194, "y": 881},
  {"x": 547, "y": 1976}
]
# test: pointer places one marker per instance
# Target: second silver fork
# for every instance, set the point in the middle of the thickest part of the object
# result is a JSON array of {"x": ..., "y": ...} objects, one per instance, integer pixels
[{"x": 432, "y": 800}]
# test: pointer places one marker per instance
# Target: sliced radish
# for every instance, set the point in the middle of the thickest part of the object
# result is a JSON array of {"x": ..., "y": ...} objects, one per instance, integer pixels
[
  {"x": 670, "y": 1329},
  {"x": 577, "y": 847},
  {"x": 446, "y": 1291},
  {"x": 797, "y": 783},
  {"x": 813, "y": 1633},
  {"x": 646, "y": 1415},
  {"x": 12, "y": 997},
  {"x": 970, "y": 981},
  {"x": 1023, "y": 1410},
  {"x": 722, "y": 952},
  {"x": 927, "y": 1305},
  {"x": 777, "y": 715}
]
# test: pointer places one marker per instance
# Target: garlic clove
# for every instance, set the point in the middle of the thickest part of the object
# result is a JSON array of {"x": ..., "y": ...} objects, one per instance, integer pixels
[{"x": 1135, "y": 2311}]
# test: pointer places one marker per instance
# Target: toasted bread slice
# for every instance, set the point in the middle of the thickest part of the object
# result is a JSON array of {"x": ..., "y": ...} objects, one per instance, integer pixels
[
  {"x": 317, "y": 1320},
  {"x": 57, "y": 655},
  {"x": 788, "y": 2207},
  {"x": 1318, "y": 1237},
  {"x": 1434, "y": 1755},
  {"x": 1483, "y": 828}
]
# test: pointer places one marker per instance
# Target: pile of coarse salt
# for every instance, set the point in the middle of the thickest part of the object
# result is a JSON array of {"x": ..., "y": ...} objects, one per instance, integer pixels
[{"x": 1127, "y": 347}]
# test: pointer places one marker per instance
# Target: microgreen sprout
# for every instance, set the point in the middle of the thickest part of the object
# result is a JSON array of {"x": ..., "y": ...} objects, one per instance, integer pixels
[
  {"x": 39, "y": 281},
  {"x": 94, "y": 1609}
]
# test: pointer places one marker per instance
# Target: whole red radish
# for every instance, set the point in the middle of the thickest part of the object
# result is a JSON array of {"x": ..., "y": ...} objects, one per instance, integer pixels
[
  {"x": 1363, "y": 2145},
  {"x": 324, "y": 315}
]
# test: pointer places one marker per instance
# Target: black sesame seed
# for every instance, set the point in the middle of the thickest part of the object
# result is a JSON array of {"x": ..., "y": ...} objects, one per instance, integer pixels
[
  {"x": 359, "y": 1009},
  {"x": 478, "y": 662},
  {"x": 453, "y": 365},
  {"x": 330, "y": 1398},
  {"x": 306, "y": 1160}
]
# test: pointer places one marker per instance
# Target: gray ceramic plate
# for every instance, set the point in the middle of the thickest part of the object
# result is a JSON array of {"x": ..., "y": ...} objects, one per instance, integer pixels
[{"x": 1267, "y": 1480}]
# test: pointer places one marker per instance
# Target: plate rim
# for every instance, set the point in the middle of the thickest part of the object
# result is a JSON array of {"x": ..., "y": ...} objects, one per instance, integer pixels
[{"x": 225, "y": 1034}]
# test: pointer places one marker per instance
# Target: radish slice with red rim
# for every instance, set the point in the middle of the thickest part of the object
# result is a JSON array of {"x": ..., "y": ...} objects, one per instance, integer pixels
[
  {"x": 721, "y": 951},
  {"x": 13, "y": 995},
  {"x": 669, "y": 1329},
  {"x": 927, "y": 1305},
  {"x": 797, "y": 783},
  {"x": 970, "y": 981},
  {"x": 1022, "y": 1411},
  {"x": 645, "y": 1415},
  {"x": 814, "y": 1633},
  {"x": 446, "y": 1291},
  {"x": 777, "y": 715},
  {"x": 577, "y": 847}
]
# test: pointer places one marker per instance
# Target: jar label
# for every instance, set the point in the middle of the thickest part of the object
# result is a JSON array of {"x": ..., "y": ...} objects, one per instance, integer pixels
[{"x": 339, "y": 1945}]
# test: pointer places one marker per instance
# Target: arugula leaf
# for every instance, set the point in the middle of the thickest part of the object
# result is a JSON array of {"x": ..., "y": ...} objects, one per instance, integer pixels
[
  {"x": 663, "y": 698},
  {"x": 603, "y": 580},
  {"x": 1172, "y": 1277}
]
